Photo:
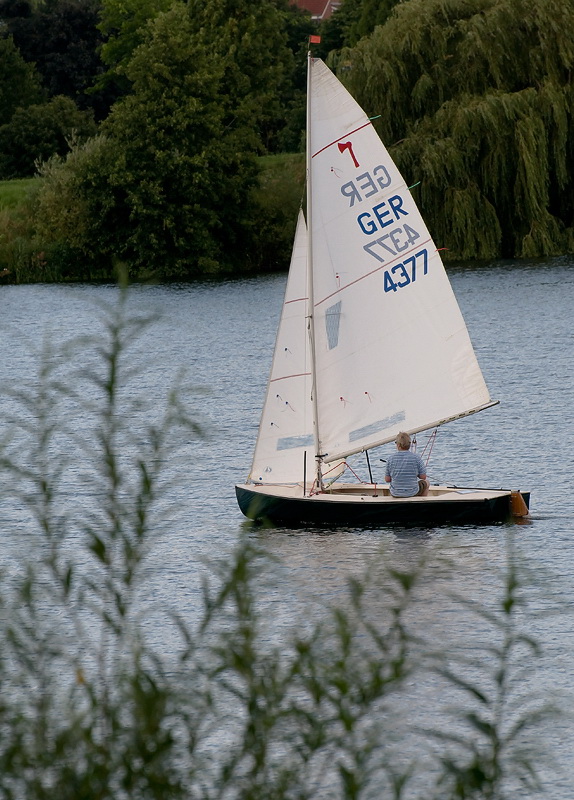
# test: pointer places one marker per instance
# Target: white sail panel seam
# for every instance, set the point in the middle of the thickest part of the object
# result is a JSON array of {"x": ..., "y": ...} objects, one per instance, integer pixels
[
  {"x": 344, "y": 136},
  {"x": 286, "y": 377}
]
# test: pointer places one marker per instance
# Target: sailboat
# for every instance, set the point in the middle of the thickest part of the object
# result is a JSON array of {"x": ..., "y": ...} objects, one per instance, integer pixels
[{"x": 371, "y": 341}]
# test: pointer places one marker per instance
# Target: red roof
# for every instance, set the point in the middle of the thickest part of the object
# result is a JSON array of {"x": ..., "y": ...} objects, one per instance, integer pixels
[{"x": 319, "y": 9}]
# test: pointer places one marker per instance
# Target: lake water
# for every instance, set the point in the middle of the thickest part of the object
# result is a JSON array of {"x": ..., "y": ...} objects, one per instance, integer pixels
[{"x": 221, "y": 335}]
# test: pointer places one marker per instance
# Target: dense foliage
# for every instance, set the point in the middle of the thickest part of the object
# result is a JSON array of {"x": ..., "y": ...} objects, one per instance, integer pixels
[
  {"x": 48, "y": 62},
  {"x": 19, "y": 81},
  {"x": 124, "y": 26},
  {"x": 143, "y": 191},
  {"x": 37, "y": 132},
  {"x": 62, "y": 40},
  {"x": 259, "y": 65},
  {"x": 353, "y": 20},
  {"x": 474, "y": 99}
]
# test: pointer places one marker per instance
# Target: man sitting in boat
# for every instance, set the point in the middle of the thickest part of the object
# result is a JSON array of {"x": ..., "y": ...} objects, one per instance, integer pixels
[{"x": 405, "y": 470}]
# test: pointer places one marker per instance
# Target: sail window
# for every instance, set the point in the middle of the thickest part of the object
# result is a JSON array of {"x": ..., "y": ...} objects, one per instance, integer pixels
[
  {"x": 289, "y": 442},
  {"x": 375, "y": 427},
  {"x": 332, "y": 321}
]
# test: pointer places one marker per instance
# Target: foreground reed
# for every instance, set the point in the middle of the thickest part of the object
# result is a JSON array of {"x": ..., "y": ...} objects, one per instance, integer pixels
[{"x": 92, "y": 707}]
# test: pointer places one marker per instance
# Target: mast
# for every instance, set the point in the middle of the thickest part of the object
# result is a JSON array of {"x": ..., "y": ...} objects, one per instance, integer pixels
[{"x": 310, "y": 292}]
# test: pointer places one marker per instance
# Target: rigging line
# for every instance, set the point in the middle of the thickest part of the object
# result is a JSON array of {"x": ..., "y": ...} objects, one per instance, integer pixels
[
  {"x": 350, "y": 468},
  {"x": 430, "y": 442}
]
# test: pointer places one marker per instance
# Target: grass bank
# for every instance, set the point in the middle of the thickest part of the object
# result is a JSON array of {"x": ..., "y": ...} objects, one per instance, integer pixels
[
  {"x": 14, "y": 193},
  {"x": 16, "y": 229}
]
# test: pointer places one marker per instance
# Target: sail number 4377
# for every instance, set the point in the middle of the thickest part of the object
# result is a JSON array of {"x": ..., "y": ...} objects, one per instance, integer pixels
[{"x": 406, "y": 271}]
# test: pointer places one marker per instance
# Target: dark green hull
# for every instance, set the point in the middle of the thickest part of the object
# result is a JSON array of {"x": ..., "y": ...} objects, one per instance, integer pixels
[{"x": 355, "y": 512}]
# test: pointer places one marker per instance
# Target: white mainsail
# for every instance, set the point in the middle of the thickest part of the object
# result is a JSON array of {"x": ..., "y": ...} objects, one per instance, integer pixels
[
  {"x": 392, "y": 350},
  {"x": 286, "y": 428}
]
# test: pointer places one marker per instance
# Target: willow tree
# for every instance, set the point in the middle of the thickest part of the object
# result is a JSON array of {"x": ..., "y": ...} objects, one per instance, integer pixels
[
  {"x": 353, "y": 20},
  {"x": 476, "y": 102}
]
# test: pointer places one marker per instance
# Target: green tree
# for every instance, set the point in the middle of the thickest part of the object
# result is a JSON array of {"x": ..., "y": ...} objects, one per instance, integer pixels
[
  {"x": 167, "y": 188},
  {"x": 475, "y": 99},
  {"x": 298, "y": 26},
  {"x": 124, "y": 26},
  {"x": 370, "y": 14},
  {"x": 19, "y": 82},
  {"x": 38, "y": 132},
  {"x": 62, "y": 39},
  {"x": 251, "y": 36},
  {"x": 353, "y": 20}
]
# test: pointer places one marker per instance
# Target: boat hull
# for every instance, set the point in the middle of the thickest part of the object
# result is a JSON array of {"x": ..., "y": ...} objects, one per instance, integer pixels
[{"x": 289, "y": 508}]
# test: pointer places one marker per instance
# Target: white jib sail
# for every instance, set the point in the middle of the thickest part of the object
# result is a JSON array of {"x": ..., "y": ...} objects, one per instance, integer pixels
[
  {"x": 286, "y": 428},
  {"x": 392, "y": 349}
]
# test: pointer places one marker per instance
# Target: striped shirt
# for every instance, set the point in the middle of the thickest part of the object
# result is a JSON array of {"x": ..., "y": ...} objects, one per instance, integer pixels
[{"x": 404, "y": 468}]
